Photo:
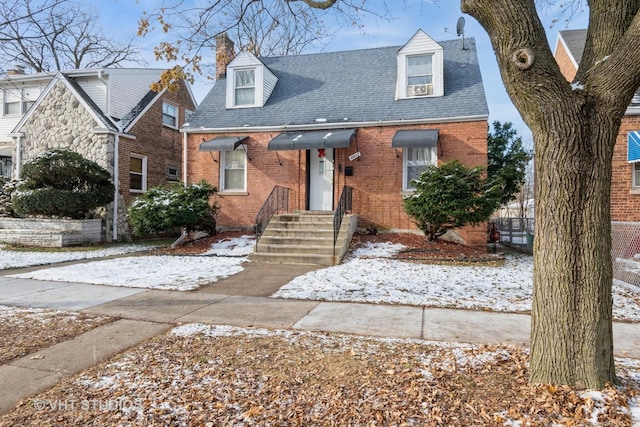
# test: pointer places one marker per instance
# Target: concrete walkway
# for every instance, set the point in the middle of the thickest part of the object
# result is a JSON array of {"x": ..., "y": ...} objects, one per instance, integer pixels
[{"x": 240, "y": 300}]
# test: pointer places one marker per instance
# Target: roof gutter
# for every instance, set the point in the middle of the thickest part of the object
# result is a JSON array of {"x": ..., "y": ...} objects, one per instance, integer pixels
[{"x": 336, "y": 125}]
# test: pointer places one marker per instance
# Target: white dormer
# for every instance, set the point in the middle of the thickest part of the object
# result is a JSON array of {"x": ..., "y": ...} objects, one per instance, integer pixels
[
  {"x": 249, "y": 82},
  {"x": 420, "y": 68}
]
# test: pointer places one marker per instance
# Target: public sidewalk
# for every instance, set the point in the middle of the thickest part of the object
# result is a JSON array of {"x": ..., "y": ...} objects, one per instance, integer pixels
[{"x": 240, "y": 300}]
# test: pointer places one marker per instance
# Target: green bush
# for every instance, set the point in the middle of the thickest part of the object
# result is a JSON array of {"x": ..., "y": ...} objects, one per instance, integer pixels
[
  {"x": 163, "y": 209},
  {"x": 6, "y": 188},
  {"x": 62, "y": 183},
  {"x": 450, "y": 196}
]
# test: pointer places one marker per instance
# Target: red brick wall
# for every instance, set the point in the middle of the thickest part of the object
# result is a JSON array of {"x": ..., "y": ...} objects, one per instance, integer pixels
[
  {"x": 161, "y": 145},
  {"x": 625, "y": 202},
  {"x": 376, "y": 180},
  {"x": 567, "y": 68}
]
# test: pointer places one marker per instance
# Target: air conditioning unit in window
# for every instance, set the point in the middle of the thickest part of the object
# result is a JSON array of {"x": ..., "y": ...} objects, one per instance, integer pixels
[{"x": 420, "y": 90}]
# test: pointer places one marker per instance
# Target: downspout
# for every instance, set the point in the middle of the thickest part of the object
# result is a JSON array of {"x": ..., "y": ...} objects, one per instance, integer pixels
[
  {"x": 18, "y": 156},
  {"x": 116, "y": 184},
  {"x": 184, "y": 159}
]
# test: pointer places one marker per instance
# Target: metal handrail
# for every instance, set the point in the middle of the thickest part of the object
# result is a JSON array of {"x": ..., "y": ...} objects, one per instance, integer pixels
[
  {"x": 344, "y": 205},
  {"x": 278, "y": 201}
]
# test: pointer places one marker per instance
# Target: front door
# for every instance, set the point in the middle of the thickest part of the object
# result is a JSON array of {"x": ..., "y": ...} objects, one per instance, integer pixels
[{"x": 321, "y": 179}]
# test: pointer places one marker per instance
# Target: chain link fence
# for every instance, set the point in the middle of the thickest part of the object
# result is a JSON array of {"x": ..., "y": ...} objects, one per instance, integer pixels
[
  {"x": 625, "y": 245},
  {"x": 625, "y": 252},
  {"x": 516, "y": 232}
]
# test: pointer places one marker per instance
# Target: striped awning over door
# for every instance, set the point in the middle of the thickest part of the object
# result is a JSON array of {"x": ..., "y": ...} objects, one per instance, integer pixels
[{"x": 633, "y": 147}]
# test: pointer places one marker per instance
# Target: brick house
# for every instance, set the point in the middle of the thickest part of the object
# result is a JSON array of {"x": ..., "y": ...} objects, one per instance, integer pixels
[
  {"x": 110, "y": 116},
  {"x": 625, "y": 183},
  {"x": 368, "y": 119}
]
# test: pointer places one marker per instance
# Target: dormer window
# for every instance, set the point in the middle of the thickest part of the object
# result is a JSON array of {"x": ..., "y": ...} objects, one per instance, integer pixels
[
  {"x": 249, "y": 82},
  {"x": 419, "y": 75},
  {"x": 420, "y": 68},
  {"x": 245, "y": 86}
]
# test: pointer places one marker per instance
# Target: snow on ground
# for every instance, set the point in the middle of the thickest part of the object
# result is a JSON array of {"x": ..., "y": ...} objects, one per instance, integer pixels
[
  {"x": 363, "y": 278},
  {"x": 18, "y": 259},
  {"x": 182, "y": 273},
  {"x": 367, "y": 275}
]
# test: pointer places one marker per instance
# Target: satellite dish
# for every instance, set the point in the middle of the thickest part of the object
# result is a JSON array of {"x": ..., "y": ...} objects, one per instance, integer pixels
[{"x": 460, "y": 26}]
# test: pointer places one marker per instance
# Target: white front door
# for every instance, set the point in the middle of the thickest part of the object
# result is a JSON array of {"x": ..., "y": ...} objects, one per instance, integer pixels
[{"x": 321, "y": 180}]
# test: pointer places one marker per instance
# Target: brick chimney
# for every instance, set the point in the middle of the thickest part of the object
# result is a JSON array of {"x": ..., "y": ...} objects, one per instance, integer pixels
[{"x": 224, "y": 54}]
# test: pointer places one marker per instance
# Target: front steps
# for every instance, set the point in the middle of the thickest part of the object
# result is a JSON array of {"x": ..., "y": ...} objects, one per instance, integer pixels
[{"x": 305, "y": 238}]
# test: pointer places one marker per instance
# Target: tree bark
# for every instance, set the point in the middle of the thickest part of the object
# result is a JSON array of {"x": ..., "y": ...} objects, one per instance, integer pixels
[{"x": 574, "y": 130}]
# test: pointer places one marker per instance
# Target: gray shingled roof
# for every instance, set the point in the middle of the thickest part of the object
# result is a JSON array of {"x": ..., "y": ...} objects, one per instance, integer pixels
[
  {"x": 358, "y": 85},
  {"x": 575, "y": 40}
]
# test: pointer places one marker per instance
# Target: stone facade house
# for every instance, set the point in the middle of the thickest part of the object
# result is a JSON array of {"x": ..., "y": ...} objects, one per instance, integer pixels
[
  {"x": 109, "y": 116},
  {"x": 370, "y": 120}
]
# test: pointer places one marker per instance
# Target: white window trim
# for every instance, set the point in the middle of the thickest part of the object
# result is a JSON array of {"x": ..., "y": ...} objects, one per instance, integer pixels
[
  {"x": 634, "y": 185},
  {"x": 175, "y": 126},
  {"x": 223, "y": 160},
  {"x": 144, "y": 173},
  {"x": 22, "y": 102},
  {"x": 258, "y": 87},
  {"x": 405, "y": 177}
]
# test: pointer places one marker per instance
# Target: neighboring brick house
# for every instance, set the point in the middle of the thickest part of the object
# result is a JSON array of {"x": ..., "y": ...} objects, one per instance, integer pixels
[
  {"x": 109, "y": 116},
  {"x": 625, "y": 183},
  {"x": 370, "y": 119}
]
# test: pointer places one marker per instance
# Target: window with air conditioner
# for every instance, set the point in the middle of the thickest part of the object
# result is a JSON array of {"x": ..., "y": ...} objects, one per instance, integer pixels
[{"x": 419, "y": 75}]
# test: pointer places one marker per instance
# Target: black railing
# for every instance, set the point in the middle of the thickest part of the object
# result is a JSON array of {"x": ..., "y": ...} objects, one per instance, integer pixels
[
  {"x": 278, "y": 201},
  {"x": 344, "y": 205}
]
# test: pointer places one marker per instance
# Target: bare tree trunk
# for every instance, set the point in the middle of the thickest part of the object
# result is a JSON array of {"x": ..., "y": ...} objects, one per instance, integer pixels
[
  {"x": 571, "y": 331},
  {"x": 574, "y": 129}
]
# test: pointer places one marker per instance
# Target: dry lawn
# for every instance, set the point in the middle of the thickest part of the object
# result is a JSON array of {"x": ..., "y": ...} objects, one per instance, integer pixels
[
  {"x": 222, "y": 376},
  {"x": 27, "y": 330}
]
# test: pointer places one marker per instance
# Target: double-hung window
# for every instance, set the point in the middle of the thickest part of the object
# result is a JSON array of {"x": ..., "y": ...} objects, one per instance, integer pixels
[
  {"x": 636, "y": 176},
  {"x": 233, "y": 170},
  {"x": 169, "y": 115},
  {"x": 415, "y": 161},
  {"x": 419, "y": 75},
  {"x": 16, "y": 101},
  {"x": 245, "y": 87},
  {"x": 137, "y": 173}
]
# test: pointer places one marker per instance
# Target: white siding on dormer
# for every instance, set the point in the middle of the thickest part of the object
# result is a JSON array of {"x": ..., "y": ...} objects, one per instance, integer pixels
[
  {"x": 265, "y": 80},
  {"x": 269, "y": 83},
  {"x": 128, "y": 87},
  {"x": 420, "y": 44},
  {"x": 95, "y": 89}
]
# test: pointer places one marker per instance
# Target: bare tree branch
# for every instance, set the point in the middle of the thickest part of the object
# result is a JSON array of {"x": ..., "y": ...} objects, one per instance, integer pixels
[{"x": 61, "y": 36}]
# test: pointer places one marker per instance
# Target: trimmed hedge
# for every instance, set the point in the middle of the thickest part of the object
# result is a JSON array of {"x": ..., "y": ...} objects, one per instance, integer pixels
[{"x": 62, "y": 183}]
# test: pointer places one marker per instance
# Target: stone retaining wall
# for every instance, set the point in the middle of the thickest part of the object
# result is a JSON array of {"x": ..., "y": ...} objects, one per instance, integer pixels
[{"x": 50, "y": 232}]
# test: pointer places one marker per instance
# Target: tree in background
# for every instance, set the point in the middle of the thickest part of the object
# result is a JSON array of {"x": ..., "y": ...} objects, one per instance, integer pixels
[
  {"x": 507, "y": 161},
  {"x": 450, "y": 196},
  {"x": 263, "y": 27},
  {"x": 48, "y": 35}
]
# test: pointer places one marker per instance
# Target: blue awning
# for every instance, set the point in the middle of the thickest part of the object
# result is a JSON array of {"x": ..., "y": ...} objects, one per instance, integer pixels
[
  {"x": 337, "y": 138},
  {"x": 633, "y": 147}
]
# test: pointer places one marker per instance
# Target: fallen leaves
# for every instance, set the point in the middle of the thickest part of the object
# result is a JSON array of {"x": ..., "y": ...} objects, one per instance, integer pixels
[{"x": 251, "y": 377}]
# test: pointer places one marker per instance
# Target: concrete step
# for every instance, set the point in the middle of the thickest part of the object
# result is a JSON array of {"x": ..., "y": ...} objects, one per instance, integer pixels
[
  {"x": 297, "y": 233},
  {"x": 295, "y": 225},
  {"x": 295, "y": 249},
  {"x": 290, "y": 240},
  {"x": 312, "y": 218},
  {"x": 293, "y": 258}
]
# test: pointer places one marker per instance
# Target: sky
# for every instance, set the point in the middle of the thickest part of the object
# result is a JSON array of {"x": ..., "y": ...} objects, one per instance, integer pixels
[{"x": 438, "y": 20}]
